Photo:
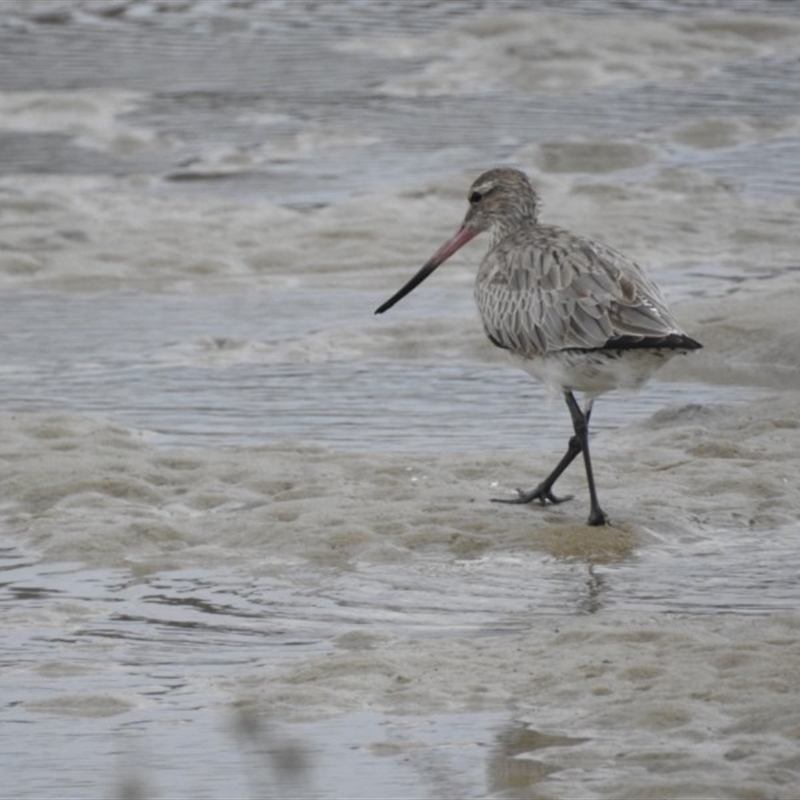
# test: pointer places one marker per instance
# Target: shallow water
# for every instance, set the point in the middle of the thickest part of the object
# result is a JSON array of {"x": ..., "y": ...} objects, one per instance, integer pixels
[
  {"x": 172, "y": 636},
  {"x": 248, "y": 547},
  {"x": 238, "y": 370}
]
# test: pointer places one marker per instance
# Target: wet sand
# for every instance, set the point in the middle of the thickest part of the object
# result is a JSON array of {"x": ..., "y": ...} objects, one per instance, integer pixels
[{"x": 404, "y": 591}]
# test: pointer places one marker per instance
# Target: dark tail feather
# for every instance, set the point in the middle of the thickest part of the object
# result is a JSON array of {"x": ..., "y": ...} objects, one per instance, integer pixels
[{"x": 673, "y": 341}]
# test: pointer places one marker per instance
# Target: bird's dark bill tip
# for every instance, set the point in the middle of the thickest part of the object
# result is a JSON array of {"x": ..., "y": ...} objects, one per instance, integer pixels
[{"x": 461, "y": 237}]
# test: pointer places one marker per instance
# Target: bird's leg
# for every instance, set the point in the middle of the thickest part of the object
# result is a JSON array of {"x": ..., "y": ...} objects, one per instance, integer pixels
[
  {"x": 578, "y": 443},
  {"x": 580, "y": 422},
  {"x": 543, "y": 492}
]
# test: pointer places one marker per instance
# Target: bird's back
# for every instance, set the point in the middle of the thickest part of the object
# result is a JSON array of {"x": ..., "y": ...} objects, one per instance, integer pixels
[{"x": 570, "y": 307}]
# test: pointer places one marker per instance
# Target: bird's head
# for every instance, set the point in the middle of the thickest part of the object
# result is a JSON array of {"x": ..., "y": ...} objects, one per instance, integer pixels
[{"x": 500, "y": 200}]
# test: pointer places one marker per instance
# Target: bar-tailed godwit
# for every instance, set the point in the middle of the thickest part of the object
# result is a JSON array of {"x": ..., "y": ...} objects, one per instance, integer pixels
[{"x": 574, "y": 313}]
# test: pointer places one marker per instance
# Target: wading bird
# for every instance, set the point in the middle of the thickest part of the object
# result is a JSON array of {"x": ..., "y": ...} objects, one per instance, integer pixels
[{"x": 576, "y": 314}]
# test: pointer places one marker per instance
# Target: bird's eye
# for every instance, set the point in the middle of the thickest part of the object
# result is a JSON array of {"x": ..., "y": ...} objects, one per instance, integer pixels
[{"x": 475, "y": 197}]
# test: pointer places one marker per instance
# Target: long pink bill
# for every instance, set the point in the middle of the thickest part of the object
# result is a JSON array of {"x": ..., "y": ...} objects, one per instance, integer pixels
[{"x": 462, "y": 236}]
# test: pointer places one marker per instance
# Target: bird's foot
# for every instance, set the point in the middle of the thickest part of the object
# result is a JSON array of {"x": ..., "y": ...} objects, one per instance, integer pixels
[
  {"x": 541, "y": 493},
  {"x": 597, "y": 517}
]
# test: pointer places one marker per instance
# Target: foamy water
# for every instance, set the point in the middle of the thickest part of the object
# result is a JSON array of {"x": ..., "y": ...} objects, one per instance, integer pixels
[{"x": 248, "y": 545}]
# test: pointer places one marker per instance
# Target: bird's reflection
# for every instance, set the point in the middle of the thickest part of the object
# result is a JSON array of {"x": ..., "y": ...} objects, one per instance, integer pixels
[{"x": 521, "y": 758}]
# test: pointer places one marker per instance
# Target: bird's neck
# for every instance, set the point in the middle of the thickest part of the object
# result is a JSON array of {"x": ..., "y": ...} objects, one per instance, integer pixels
[{"x": 502, "y": 230}]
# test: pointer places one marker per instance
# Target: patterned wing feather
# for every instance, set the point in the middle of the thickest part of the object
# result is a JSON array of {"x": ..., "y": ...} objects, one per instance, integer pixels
[{"x": 553, "y": 291}]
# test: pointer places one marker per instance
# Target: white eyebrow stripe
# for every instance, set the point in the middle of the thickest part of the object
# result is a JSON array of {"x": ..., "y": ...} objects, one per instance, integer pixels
[{"x": 483, "y": 188}]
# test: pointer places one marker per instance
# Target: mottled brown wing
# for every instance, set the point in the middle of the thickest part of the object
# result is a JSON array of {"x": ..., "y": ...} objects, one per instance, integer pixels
[{"x": 555, "y": 291}]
